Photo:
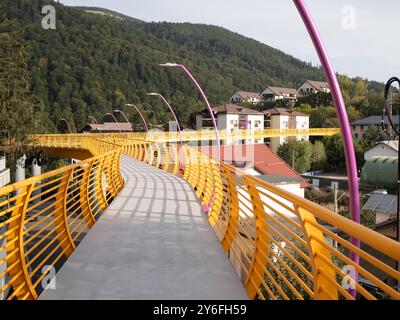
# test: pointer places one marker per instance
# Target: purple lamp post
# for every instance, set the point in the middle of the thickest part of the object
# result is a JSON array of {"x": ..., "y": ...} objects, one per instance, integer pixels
[
  {"x": 140, "y": 114},
  {"x": 338, "y": 101},
  {"x": 185, "y": 70},
  {"x": 69, "y": 127},
  {"x": 206, "y": 208},
  {"x": 115, "y": 119},
  {"x": 172, "y": 111},
  {"x": 125, "y": 117}
]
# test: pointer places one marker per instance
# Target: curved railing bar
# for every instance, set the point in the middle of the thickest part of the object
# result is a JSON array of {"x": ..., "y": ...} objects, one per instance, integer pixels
[{"x": 339, "y": 104}]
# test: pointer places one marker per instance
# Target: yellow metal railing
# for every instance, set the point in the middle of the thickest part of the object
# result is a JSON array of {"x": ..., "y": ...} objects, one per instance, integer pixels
[
  {"x": 281, "y": 246},
  {"x": 207, "y": 135},
  {"x": 43, "y": 219}
]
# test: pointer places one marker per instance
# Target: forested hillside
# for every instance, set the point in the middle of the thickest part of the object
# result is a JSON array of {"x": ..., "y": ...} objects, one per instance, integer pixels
[{"x": 92, "y": 64}]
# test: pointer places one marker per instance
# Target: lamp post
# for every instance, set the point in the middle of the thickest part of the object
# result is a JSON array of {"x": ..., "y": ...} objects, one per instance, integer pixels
[
  {"x": 69, "y": 127},
  {"x": 203, "y": 95},
  {"x": 339, "y": 104},
  {"x": 141, "y": 115},
  {"x": 115, "y": 119},
  {"x": 125, "y": 117},
  {"x": 93, "y": 118},
  {"x": 172, "y": 111},
  {"x": 388, "y": 111}
]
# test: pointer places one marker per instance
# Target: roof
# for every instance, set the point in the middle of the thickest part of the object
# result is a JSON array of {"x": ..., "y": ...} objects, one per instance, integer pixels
[
  {"x": 282, "y": 91},
  {"x": 248, "y": 95},
  {"x": 374, "y": 120},
  {"x": 284, "y": 112},
  {"x": 394, "y": 144},
  {"x": 382, "y": 203},
  {"x": 109, "y": 126},
  {"x": 319, "y": 85},
  {"x": 264, "y": 160},
  {"x": 234, "y": 109}
]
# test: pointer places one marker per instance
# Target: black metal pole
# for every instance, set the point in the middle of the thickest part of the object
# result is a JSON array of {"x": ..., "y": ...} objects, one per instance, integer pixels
[{"x": 397, "y": 132}]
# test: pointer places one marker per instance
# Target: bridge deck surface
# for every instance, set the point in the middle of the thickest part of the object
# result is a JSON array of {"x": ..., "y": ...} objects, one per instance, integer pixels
[{"x": 153, "y": 242}]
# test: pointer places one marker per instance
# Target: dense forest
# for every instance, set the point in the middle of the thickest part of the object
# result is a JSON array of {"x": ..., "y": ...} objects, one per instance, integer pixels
[{"x": 92, "y": 64}]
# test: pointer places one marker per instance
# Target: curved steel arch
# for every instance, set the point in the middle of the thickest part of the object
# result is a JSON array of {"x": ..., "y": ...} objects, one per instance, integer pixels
[{"x": 339, "y": 104}]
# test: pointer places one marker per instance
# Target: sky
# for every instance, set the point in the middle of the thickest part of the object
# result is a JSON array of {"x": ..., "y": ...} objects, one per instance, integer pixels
[{"x": 360, "y": 35}]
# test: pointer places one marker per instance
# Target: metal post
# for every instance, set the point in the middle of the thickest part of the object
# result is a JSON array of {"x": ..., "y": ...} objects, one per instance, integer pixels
[{"x": 339, "y": 104}]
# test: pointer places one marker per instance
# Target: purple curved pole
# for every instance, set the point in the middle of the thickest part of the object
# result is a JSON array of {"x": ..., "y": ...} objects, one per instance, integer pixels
[
  {"x": 172, "y": 111},
  {"x": 338, "y": 101},
  {"x": 140, "y": 114},
  {"x": 203, "y": 95}
]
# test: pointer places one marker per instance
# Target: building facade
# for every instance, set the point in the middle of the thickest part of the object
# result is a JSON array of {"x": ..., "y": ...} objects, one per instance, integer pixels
[
  {"x": 284, "y": 119},
  {"x": 388, "y": 148},
  {"x": 361, "y": 126},
  {"x": 245, "y": 96},
  {"x": 4, "y": 172},
  {"x": 310, "y": 87},
  {"x": 232, "y": 117},
  {"x": 273, "y": 94}
]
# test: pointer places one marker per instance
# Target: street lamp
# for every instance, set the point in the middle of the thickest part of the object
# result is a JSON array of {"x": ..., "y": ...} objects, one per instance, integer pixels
[
  {"x": 126, "y": 118},
  {"x": 338, "y": 102},
  {"x": 172, "y": 111},
  {"x": 115, "y": 119},
  {"x": 69, "y": 127},
  {"x": 93, "y": 118},
  {"x": 141, "y": 115},
  {"x": 203, "y": 95}
]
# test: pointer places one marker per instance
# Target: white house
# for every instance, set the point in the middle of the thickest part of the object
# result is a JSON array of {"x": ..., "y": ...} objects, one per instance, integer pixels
[
  {"x": 389, "y": 148},
  {"x": 244, "y": 96},
  {"x": 232, "y": 117},
  {"x": 272, "y": 94},
  {"x": 311, "y": 86},
  {"x": 4, "y": 172},
  {"x": 283, "y": 119}
]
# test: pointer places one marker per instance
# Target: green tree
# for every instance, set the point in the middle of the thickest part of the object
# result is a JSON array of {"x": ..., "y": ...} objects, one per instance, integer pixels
[
  {"x": 319, "y": 156},
  {"x": 298, "y": 154},
  {"x": 20, "y": 113}
]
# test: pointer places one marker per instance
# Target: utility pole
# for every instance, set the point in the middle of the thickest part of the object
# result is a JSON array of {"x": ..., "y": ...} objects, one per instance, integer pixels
[{"x": 335, "y": 198}]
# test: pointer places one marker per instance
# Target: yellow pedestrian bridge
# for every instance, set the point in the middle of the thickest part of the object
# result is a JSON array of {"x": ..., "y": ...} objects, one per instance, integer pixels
[{"x": 140, "y": 219}]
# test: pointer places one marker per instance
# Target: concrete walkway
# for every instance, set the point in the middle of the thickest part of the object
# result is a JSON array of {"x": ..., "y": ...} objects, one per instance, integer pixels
[{"x": 153, "y": 242}]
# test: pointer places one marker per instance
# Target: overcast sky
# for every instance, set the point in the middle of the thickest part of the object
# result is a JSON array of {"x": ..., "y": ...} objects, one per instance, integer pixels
[{"x": 360, "y": 35}]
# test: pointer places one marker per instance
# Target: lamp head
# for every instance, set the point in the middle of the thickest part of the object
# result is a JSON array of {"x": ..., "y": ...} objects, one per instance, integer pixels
[{"x": 169, "y": 65}]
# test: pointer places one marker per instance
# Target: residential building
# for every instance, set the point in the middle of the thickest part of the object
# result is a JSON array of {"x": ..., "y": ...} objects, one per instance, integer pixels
[
  {"x": 310, "y": 86},
  {"x": 283, "y": 119},
  {"x": 108, "y": 127},
  {"x": 359, "y": 127},
  {"x": 232, "y": 117},
  {"x": 244, "y": 96},
  {"x": 273, "y": 94},
  {"x": 4, "y": 172},
  {"x": 383, "y": 205},
  {"x": 388, "y": 148}
]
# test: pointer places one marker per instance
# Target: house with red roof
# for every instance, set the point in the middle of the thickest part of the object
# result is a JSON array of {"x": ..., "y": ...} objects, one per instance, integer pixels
[{"x": 259, "y": 160}]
